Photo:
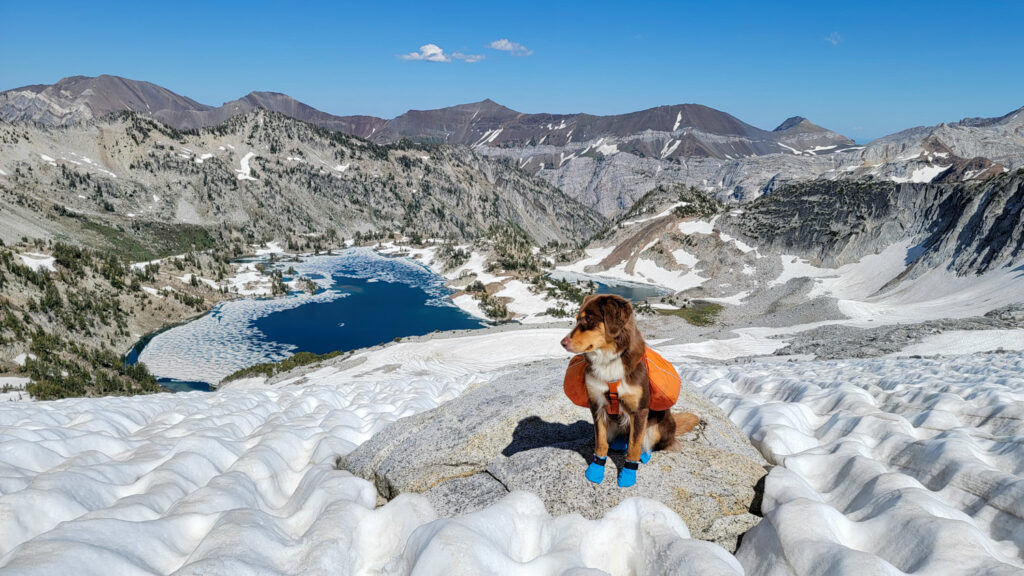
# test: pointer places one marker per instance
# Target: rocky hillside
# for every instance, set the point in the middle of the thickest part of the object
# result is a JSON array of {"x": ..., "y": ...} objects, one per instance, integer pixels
[
  {"x": 605, "y": 162},
  {"x": 263, "y": 175},
  {"x": 67, "y": 314},
  {"x": 970, "y": 227}
]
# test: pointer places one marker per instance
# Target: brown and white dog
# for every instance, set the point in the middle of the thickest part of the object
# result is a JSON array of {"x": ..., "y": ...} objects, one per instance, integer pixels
[{"x": 607, "y": 335}]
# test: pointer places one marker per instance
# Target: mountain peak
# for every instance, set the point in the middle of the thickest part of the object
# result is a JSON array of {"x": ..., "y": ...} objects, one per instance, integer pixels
[{"x": 791, "y": 122}]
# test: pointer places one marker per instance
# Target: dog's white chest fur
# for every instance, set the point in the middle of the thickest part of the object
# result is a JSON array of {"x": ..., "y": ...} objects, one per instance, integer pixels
[{"x": 604, "y": 368}]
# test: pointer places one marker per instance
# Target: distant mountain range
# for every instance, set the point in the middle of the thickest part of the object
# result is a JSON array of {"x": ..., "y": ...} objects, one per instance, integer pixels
[
  {"x": 606, "y": 162},
  {"x": 80, "y": 98}
]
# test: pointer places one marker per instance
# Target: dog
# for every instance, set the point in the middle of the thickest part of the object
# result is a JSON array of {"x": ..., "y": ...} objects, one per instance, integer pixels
[{"x": 607, "y": 336}]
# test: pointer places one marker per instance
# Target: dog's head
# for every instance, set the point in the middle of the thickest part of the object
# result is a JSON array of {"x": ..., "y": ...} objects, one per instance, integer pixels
[{"x": 601, "y": 323}]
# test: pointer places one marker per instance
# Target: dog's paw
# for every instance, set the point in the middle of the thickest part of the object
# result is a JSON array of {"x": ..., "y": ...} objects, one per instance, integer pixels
[
  {"x": 595, "y": 472},
  {"x": 619, "y": 444},
  {"x": 645, "y": 457},
  {"x": 627, "y": 474}
]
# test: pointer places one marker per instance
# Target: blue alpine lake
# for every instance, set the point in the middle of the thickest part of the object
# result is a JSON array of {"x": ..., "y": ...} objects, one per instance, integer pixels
[
  {"x": 364, "y": 299},
  {"x": 633, "y": 291}
]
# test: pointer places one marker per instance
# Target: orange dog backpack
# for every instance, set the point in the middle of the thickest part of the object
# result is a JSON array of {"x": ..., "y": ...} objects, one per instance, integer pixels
[{"x": 665, "y": 383}]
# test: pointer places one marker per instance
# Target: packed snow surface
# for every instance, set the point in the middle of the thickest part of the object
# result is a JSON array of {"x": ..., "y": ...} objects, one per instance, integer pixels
[
  {"x": 243, "y": 482},
  {"x": 883, "y": 466}
]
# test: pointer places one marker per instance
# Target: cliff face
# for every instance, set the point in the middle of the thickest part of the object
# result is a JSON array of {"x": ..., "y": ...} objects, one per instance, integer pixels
[{"x": 970, "y": 227}]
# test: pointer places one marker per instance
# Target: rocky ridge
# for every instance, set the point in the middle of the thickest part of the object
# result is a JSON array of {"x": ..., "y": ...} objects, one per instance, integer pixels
[
  {"x": 266, "y": 175},
  {"x": 605, "y": 162}
]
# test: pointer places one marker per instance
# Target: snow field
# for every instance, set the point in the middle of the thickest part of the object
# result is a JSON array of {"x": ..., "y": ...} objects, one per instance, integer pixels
[
  {"x": 243, "y": 482},
  {"x": 883, "y": 466}
]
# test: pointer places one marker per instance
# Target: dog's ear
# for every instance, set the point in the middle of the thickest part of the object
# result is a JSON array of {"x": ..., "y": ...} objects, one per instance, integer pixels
[{"x": 616, "y": 311}]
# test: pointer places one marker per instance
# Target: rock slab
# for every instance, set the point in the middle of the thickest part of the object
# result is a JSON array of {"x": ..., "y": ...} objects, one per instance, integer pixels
[{"x": 520, "y": 433}]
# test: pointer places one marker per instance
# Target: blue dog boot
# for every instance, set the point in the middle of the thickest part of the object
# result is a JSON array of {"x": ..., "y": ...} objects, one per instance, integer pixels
[
  {"x": 645, "y": 457},
  {"x": 619, "y": 444},
  {"x": 595, "y": 472},
  {"x": 627, "y": 474}
]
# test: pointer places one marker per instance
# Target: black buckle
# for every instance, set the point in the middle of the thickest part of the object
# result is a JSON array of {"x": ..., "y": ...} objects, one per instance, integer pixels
[
  {"x": 631, "y": 465},
  {"x": 598, "y": 460}
]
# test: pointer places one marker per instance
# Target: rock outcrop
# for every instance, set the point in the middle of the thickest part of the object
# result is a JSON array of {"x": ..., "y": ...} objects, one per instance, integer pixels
[
  {"x": 970, "y": 227},
  {"x": 521, "y": 433}
]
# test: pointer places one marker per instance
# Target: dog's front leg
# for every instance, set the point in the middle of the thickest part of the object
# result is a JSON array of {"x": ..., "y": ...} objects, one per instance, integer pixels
[
  {"x": 595, "y": 471},
  {"x": 637, "y": 429}
]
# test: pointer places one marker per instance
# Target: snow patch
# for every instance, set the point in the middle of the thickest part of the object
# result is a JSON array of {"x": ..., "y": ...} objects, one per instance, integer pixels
[
  {"x": 245, "y": 173},
  {"x": 922, "y": 175},
  {"x": 37, "y": 262},
  {"x": 966, "y": 342},
  {"x": 697, "y": 227}
]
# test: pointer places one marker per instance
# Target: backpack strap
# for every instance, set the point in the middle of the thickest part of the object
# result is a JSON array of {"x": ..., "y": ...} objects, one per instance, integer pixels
[{"x": 613, "y": 397}]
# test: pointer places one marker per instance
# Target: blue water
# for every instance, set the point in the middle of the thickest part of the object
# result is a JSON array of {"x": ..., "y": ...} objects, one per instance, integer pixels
[
  {"x": 632, "y": 292},
  {"x": 374, "y": 312},
  {"x": 374, "y": 299}
]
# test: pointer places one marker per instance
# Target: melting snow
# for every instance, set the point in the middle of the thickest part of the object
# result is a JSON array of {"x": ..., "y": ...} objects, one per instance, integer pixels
[
  {"x": 679, "y": 118},
  {"x": 38, "y": 261},
  {"x": 790, "y": 148},
  {"x": 669, "y": 148},
  {"x": 489, "y": 137},
  {"x": 246, "y": 173},
  {"x": 684, "y": 258},
  {"x": 697, "y": 227},
  {"x": 16, "y": 386},
  {"x": 922, "y": 175}
]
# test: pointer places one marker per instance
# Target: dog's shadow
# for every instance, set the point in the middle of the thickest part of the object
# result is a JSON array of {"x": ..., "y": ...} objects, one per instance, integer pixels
[{"x": 534, "y": 432}]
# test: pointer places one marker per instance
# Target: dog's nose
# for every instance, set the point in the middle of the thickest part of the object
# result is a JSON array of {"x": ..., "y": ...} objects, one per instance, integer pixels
[{"x": 565, "y": 342}]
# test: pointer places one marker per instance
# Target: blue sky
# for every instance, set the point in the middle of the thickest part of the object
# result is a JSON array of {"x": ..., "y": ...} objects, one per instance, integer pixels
[{"x": 864, "y": 69}]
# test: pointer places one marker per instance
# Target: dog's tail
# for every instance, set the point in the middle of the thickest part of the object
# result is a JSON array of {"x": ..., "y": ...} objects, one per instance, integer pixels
[{"x": 685, "y": 422}]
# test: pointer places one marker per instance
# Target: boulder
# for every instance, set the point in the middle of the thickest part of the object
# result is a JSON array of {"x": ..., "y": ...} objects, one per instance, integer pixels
[{"x": 520, "y": 432}]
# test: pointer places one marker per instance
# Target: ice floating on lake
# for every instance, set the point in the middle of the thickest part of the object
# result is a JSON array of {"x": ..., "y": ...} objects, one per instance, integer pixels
[{"x": 225, "y": 340}]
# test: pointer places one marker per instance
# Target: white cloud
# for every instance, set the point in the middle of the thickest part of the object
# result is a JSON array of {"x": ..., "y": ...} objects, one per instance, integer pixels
[
  {"x": 468, "y": 58},
  {"x": 429, "y": 53},
  {"x": 514, "y": 48},
  {"x": 834, "y": 38}
]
